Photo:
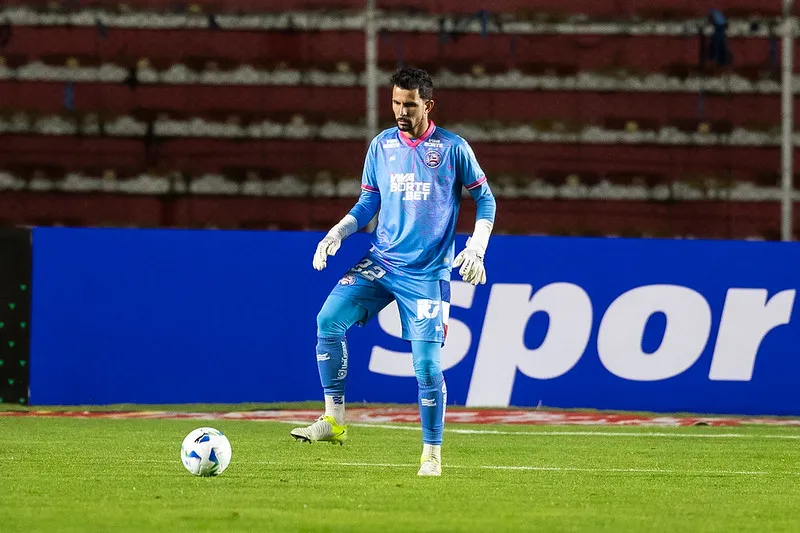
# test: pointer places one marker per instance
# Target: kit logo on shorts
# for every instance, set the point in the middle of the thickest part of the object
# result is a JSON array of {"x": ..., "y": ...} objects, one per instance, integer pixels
[
  {"x": 348, "y": 279},
  {"x": 428, "y": 308}
]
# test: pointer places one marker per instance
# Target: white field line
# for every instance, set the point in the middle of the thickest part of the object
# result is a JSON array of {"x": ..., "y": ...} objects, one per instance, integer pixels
[
  {"x": 529, "y": 468},
  {"x": 570, "y": 433},
  {"x": 669, "y": 471}
]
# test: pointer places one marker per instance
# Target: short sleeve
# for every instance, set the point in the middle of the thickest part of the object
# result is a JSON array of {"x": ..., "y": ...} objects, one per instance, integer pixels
[
  {"x": 468, "y": 170},
  {"x": 369, "y": 177}
]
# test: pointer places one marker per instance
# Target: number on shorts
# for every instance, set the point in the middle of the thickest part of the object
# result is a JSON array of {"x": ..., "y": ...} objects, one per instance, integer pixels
[{"x": 370, "y": 271}]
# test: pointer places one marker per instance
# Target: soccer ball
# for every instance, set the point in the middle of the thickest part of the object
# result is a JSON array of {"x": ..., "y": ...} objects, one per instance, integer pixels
[{"x": 206, "y": 452}]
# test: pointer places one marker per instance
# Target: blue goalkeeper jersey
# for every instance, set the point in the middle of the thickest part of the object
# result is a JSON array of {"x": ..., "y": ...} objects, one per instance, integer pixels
[{"x": 420, "y": 184}]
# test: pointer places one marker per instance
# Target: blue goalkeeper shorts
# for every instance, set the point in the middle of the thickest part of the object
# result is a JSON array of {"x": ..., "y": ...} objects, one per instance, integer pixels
[{"x": 424, "y": 305}]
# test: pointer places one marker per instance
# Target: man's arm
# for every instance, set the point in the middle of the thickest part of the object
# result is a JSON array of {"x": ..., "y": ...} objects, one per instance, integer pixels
[
  {"x": 471, "y": 258},
  {"x": 474, "y": 179},
  {"x": 358, "y": 217},
  {"x": 367, "y": 206}
]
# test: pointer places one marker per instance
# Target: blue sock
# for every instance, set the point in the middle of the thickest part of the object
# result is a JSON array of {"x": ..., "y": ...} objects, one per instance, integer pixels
[
  {"x": 432, "y": 389},
  {"x": 334, "y": 319},
  {"x": 332, "y": 365}
]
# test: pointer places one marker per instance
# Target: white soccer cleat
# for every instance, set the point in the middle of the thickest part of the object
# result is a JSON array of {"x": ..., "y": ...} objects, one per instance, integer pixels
[
  {"x": 324, "y": 429},
  {"x": 429, "y": 467}
]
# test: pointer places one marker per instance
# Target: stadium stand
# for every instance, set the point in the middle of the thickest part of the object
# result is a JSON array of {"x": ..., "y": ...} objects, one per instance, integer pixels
[{"x": 614, "y": 117}]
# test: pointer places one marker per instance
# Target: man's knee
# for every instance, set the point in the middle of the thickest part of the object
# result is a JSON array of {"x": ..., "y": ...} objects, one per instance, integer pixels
[
  {"x": 336, "y": 317},
  {"x": 327, "y": 325},
  {"x": 426, "y": 361},
  {"x": 426, "y": 369}
]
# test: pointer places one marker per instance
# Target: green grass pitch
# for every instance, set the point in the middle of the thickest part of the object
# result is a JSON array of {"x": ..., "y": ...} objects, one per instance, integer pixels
[{"x": 68, "y": 475}]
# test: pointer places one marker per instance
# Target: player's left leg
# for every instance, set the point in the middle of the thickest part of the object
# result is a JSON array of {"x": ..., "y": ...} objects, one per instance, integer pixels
[
  {"x": 424, "y": 309},
  {"x": 432, "y": 397}
]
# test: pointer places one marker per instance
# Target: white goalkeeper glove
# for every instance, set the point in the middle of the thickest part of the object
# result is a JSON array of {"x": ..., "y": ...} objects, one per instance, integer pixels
[
  {"x": 330, "y": 244},
  {"x": 471, "y": 258},
  {"x": 327, "y": 246},
  {"x": 471, "y": 262}
]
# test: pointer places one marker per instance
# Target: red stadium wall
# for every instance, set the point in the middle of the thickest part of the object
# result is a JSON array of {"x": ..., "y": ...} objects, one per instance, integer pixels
[{"x": 27, "y": 153}]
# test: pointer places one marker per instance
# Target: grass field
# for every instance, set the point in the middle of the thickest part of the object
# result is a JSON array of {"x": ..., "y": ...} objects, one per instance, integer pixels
[{"x": 66, "y": 475}]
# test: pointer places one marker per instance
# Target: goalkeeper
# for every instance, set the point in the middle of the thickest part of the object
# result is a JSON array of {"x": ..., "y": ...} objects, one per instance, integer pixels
[{"x": 414, "y": 173}]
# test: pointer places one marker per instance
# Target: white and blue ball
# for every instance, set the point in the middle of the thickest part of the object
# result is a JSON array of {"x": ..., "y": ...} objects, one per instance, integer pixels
[{"x": 206, "y": 452}]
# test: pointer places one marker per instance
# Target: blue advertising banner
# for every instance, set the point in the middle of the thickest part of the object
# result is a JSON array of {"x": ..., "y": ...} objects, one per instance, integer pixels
[{"x": 177, "y": 316}]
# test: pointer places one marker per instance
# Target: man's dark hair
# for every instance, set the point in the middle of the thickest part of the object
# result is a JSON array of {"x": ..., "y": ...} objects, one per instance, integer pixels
[{"x": 410, "y": 78}]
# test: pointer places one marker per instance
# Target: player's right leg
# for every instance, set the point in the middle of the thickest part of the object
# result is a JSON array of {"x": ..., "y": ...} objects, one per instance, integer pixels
[
  {"x": 337, "y": 315},
  {"x": 354, "y": 300}
]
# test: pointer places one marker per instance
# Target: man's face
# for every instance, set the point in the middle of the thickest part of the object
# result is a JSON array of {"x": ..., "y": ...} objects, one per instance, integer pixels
[{"x": 410, "y": 110}]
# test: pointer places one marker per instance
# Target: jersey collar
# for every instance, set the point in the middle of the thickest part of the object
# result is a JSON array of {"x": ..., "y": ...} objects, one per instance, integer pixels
[{"x": 424, "y": 136}]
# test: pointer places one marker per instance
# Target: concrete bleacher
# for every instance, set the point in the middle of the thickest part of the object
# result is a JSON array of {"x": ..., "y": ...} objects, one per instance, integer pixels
[
  {"x": 614, "y": 138},
  {"x": 596, "y": 8}
]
